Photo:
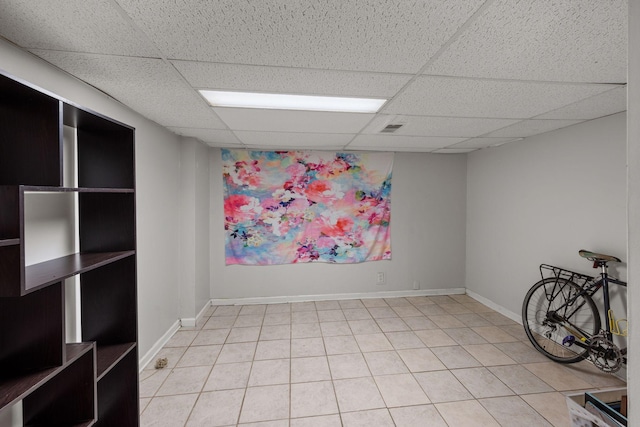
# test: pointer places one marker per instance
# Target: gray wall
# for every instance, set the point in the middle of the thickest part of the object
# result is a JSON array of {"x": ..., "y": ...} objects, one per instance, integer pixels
[
  {"x": 540, "y": 201},
  {"x": 428, "y": 197}
]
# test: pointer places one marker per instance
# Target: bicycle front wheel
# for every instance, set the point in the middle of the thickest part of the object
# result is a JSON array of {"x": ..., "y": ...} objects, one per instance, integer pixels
[{"x": 556, "y": 318}]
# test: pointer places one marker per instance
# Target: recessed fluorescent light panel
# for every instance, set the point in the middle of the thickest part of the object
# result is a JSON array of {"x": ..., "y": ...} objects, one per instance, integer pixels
[{"x": 279, "y": 101}]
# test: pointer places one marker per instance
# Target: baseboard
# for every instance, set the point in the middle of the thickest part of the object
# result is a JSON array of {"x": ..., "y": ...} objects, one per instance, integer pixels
[
  {"x": 329, "y": 297},
  {"x": 190, "y": 322},
  {"x": 151, "y": 354},
  {"x": 492, "y": 305}
]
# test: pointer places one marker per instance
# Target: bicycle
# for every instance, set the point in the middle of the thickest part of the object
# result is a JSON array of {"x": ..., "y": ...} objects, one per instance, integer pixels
[{"x": 562, "y": 321}]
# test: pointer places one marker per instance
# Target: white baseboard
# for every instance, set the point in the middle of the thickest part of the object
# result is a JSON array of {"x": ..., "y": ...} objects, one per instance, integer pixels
[
  {"x": 190, "y": 322},
  {"x": 329, "y": 297},
  {"x": 510, "y": 314},
  {"x": 151, "y": 354}
]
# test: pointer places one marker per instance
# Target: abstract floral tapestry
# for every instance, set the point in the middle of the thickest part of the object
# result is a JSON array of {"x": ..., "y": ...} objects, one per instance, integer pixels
[{"x": 284, "y": 207}]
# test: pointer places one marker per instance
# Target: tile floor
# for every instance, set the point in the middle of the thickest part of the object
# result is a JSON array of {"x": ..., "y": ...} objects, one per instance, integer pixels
[{"x": 418, "y": 361}]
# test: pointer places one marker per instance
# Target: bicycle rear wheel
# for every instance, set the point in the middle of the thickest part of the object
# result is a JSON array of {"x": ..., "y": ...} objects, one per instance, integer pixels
[{"x": 555, "y": 319}]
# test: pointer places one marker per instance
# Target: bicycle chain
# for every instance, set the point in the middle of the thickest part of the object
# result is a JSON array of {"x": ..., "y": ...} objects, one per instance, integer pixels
[{"x": 605, "y": 354}]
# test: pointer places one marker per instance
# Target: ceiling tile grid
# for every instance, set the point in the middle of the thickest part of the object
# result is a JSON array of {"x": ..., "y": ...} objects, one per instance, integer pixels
[{"x": 458, "y": 75}]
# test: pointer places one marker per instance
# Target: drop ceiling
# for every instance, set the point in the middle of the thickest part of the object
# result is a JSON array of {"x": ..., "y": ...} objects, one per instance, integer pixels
[{"x": 458, "y": 75}]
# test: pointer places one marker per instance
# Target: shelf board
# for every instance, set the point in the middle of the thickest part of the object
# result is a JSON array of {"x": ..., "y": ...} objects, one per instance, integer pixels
[
  {"x": 109, "y": 355},
  {"x": 46, "y": 189},
  {"x": 55, "y": 270},
  {"x": 14, "y": 389},
  {"x": 9, "y": 242}
]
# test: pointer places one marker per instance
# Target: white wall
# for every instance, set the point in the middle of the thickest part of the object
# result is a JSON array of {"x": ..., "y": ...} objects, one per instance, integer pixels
[
  {"x": 542, "y": 199},
  {"x": 428, "y": 197},
  {"x": 157, "y": 182},
  {"x": 194, "y": 230}
]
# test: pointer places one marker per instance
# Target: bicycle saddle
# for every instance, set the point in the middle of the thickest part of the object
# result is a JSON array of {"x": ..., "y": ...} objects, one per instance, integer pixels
[{"x": 596, "y": 257}]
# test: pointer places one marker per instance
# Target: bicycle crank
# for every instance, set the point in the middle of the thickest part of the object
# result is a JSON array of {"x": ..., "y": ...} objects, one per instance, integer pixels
[{"x": 605, "y": 355}]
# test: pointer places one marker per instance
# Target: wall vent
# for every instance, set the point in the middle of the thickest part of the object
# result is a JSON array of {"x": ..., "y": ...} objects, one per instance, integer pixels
[{"x": 391, "y": 128}]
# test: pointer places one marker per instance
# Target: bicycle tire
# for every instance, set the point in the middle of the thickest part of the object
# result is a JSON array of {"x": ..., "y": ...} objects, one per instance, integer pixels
[{"x": 547, "y": 334}]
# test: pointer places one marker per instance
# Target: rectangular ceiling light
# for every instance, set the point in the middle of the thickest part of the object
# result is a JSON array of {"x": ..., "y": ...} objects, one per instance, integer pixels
[{"x": 292, "y": 102}]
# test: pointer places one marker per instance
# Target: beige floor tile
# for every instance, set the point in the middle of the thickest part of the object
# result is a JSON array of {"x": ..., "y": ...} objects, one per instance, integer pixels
[
  {"x": 552, "y": 406},
  {"x": 357, "y": 394},
  {"x": 384, "y": 312},
  {"x": 182, "y": 338},
  {"x": 184, "y": 381},
  {"x": 216, "y": 408},
  {"x": 374, "y": 302},
  {"x": 477, "y": 307},
  {"x": 144, "y": 401},
  {"x": 258, "y": 309},
  {"x": 269, "y": 372},
  {"x": 168, "y": 411},
  {"x": 418, "y": 323},
  {"x": 276, "y": 349},
  {"x": 274, "y": 423},
  {"x": 248, "y": 320},
  {"x": 393, "y": 324},
  {"x": 400, "y": 390},
  {"x": 226, "y": 310},
  {"x": 468, "y": 413},
  {"x": 557, "y": 376},
  {"x": 516, "y": 331},
  {"x": 211, "y": 336},
  {"x": 200, "y": 356},
  {"x": 520, "y": 380},
  {"x": 172, "y": 354},
  {"x": 237, "y": 352},
  {"x": 275, "y": 332},
  {"x": 341, "y": 344},
  {"x": 591, "y": 374},
  {"x": 435, "y": 338},
  {"x": 248, "y": 334},
  {"x": 455, "y": 357},
  {"x": 359, "y": 327},
  {"x": 481, "y": 382},
  {"x": 376, "y": 417},
  {"x": 350, "y": 303},
  {"x": 152, "y": 381},
  {"x": 373, "y": 342},
  {"x": 494, "y": 334},
  {"x": 333, "y": 329},
  {"x": 397, "y": 302},
  {"x": 221, "y": 322},
  {"x": 442, "y": 386},
  {"x": 414, "y": 416},
  {"x": 489, "y": 355},
  {"x": 472, "y": 319},
  {"x": 272, "y": 319},
  {"x": 328, "y": 305},
  {"x": 507, "y": 409},
  {"x": 306, "y": 369},
  {"x": 351, "y": 365},
  {"x": 404, "y": 340},
  {"x": 311, "y": 399},
  {"x": 331, "y": 316},
  {"x": 306, "y": 347},
  {"x": 265, "y": 403},
  {"x": 228, "y": 376},
  {"x": 356, "y": 314},
  {"x": 420, "y": 360},
  {"x": 305, "y": 330},
  {"x": 462, "y": 298},
  {"x": 319, "y": 421},
  {"x": 278, "y": 308},
  {"x": 464, "y": 336},
  {"x": 497, "y": 318},
  {"x": 303, "y": 306},
  {"x": 521, "y": 352},
  {"x": 407, "y": 311},
  {"x": 441, "y": 299},
  {"x": 431, "y": 310},
  {"x": 455, "y": 308},
  {"x": 385, "y": 363},
  {"x": 304, "y": 316}
]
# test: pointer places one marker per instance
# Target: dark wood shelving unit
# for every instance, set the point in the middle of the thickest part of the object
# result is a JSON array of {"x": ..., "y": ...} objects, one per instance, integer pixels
[{"x": 94, "y": 382}]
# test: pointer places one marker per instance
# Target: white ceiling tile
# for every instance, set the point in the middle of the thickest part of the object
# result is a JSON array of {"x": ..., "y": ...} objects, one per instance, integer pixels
[
  {"x": 605, "y": 104},
  {"x": 376, "y": 35},
  {"x": 447, "y": 96},
  {"x": 454, "y": 150},
  {"x": 206, "y": 75},
  {"x": 292, "y": 121},
  {"x": 149, "y": 86},
  {"x": 437, "y": 126},
  {"x": 213, "y": 137},
  {"x": 476, "y": 143},
  {"x": 72, "y": 25},
  {"x": 289, "y": 139},
  {"x": 552, "y": 40},
  {"x": 531, "y": 127},
  {"x": 401, "y": 143}
]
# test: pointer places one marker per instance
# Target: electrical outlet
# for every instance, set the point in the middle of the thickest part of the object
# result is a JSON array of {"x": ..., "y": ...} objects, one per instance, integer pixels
[{"x": 380, "y": 279}]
